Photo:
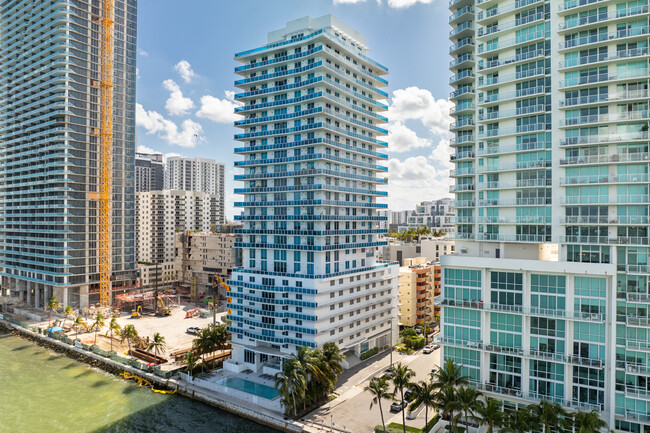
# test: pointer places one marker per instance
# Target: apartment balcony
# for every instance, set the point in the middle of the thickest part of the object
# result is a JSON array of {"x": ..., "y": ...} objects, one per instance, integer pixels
[
  {"x": 602, "y": 78},
  {"x": 632, "y": 344},
  {"x": 464, "y": 60},
  {"x": 571, "y": 5},
  {"x": 628, "y": 116},
  {"x": 465, "y": 108},
  {"x": 528, "y": 147},
  {"x": 637, "y": 297},
  {"x": 495, "y": 237},
  {"x": 467, "y": 11},
  {"x": 462, "y": 236},
  {"x": 491, "y": 31},
  {"x": 606, "y": 159},
  {"x": 463, "y": 30},
  {"x": 634, "y": 269},
  {"x": 602, "y": 38},
  {"x": 521, "y": 183},
  {"x": 602, "y": 58},
  {"x": 506, "y": 114},
  {"x": 460, "y": 3},
  {"x": 462, "y": 203},
  {"x": 637, "y": 321},
  {"x": 462, "y": 220},
  {"x": 491, "y": 65},
  {"x": 605, "y": 138},
  {"x": 491, "y": 49},
  {"x": 461, "y": 140},
  {"x": 605, "y": 179},
  {"x": 525, "y": 129},
  {"x": 462, "y": 78},
  {"x": 463, "y": 46},
  {"x": 605, "y": 240},
  {"x": 605, "y": 98},
  {"x": 462, "y": 172},
  {"x": 462, "y": 92},
  {"x": 513, "y": 220},
  {"x": 485, "y": 82},
  {"x": 525, "y": 165},
  {"x": 462, "y": 124},
  {"x": 634, "y": 368},
  {"x": 461, "y": 188},
  {"x": 585, "y": 22},
  {"x": 513, "y": 95}
]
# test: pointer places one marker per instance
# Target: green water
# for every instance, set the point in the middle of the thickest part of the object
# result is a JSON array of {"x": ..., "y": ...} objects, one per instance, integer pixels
[{"x": 43, "y": 391}]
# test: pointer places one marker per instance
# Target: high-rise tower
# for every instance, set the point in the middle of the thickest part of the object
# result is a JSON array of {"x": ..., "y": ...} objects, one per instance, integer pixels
[
  {"x": 50, "y": 71},
  {"x": 547, "y": 295},
  {"x": 311, "y": 154}
]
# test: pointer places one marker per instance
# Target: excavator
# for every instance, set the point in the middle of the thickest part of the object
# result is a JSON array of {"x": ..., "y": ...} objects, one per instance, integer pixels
[
  {"x": 163, "y": 310},
  {"x": 137, "y": 312},
  {"x": 216, "y": 280}
]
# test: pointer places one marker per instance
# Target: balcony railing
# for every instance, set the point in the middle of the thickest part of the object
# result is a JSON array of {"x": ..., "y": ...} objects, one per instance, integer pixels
[{"x": 602, "y": 17}]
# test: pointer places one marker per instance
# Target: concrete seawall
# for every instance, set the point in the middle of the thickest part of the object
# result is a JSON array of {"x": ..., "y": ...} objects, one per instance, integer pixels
[{"x": 229, "y": 404}]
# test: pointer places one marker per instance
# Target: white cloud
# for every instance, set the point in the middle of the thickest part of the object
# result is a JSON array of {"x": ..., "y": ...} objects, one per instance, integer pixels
[
  {"x": 184, "y": 69},
  {"x": 441, "y": 155},
  {"x": 142, "y": 52},
  {"x": 400, "y": 138},
  {"x": 154, "y": 123},
  {"x": 145, "y": 149},
  {"x": 416, "y": 103},
  {"x": 137, "y": 72},
  {"x": 219, "y": 110},
  {"x": 176, "y": 104},
  {"x": 406, "y": 3},
  {"x": 169, "y": 155},
  {"x": 414, "y": 180}
]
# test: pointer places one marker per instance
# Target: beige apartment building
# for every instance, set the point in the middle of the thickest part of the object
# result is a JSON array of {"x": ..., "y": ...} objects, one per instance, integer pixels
[{"x": 416, "y": 291}]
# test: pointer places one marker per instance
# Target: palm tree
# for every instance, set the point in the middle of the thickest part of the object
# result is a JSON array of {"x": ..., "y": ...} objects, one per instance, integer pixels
[
  {"x": 379, "y": 388},
  {"x": 291, "y": 384},
  {"x": 76, "y": 325},
  {"x": 588, "y": 422},
  {"x": 551, "y": 415},
  {"x": 219, "y": 336},
  {"x": 129, "y": 333},
  {"x": 401, "y": 379},
  {"x": 467, "y": 399},
  {"x": 52, "y": 305},
  {"x": 425, "y": 332},
  {"x": 113, "y": 326},
  {"x": 99, "y": 324},
  {"x": 521, "y": 421},
  {"x": 193, "y": 360},
  {"x": 332, "y": 359},
  {"x": 203, "y": 342},
  {"x": 424, "y": 393},
  {"x": 447, "y": 404},
  {"x": 311, "y": 368},
  {"x": 490, "y": 414},
  {"x": 450, "y": 375},
  {"x": 157, "y": 343},
  {"x": 68, "y": 312}
]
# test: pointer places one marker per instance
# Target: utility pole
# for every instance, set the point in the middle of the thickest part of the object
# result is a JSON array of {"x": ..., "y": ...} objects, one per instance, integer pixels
[
  {"x": 155, "y": 299},
  {"x": 391, "y": 343},
  {"x": 214, "y": 301}
]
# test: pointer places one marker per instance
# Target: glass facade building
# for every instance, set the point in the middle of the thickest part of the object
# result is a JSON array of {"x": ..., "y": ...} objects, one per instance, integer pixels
[
  {"x": 49, "y": 139},
  {"x": 547, "y": 295},
  {"x": 312, "y": 103}
]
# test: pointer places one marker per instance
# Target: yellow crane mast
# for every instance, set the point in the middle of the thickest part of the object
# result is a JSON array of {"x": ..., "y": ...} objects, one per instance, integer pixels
[{"x": 106, "y": 154}]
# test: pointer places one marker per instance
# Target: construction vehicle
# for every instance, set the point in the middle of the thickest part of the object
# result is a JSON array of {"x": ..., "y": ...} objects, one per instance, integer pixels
[
  {"x": 163, "y": 310},
  {"x": 191, "y": 313},
  {"x": 137, "y": 312},
  {"x": 215, "y": 303}
]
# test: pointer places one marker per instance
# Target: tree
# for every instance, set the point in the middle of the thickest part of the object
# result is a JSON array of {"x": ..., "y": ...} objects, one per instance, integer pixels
[
  {"x": 129, "y": 333},
  {"x": 379, "y": 389},
  {"x": 158, "y": 344},
  {"x": 311, "y": 368},
  {"x": 490, "y": 414},
  {"x": 68, "y": 312},
  {"x": 450, "y": 375},
  {"x": 588, "y": 422},
  {"x": 447, "y": 404},
  {"x": 401, "y": 379},
  {"x": 99, "y": 324},
  {"x": 204, "y": 342},
  {"x": 551, "y": 415},
  {"x": 332, "y": 361},
  {"x": 467, "y": 399},
  {"x": 291, "y": 384},
  {"x": 192, "y": 360},
  {"x": 424, "y": 393},
  {"x": 77, "y": 324},
  {"x": 521, "y": 421},
  {"x": 426, "y": 330},
  {"x": 219, "y": 336},
  {"x": 52, "y": 305},
  {"x": 113, "y": 326}
]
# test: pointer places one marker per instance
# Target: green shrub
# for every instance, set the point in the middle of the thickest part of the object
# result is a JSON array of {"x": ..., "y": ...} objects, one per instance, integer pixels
[
  {"x": 433, "y": 421},
  {"x": 389, "y": 429},
  {"x": 399, "y": 427},
  {"x": 367, "y": 354},
  {"x": 414, "y": 342}
]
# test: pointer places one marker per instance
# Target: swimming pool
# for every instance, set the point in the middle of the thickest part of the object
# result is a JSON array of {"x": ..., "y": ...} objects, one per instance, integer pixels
[{"x": 249, "y": 387}]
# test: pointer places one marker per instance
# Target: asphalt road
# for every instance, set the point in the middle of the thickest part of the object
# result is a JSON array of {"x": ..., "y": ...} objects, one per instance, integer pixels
[{"x": 351, "y": 411}]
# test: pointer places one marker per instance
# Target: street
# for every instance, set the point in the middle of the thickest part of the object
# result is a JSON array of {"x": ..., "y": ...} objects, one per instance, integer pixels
[{"x": 351, "y": 412}]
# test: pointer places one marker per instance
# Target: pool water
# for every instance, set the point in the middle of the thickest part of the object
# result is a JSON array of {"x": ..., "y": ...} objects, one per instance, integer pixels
[{"x": 250, "y": 387}]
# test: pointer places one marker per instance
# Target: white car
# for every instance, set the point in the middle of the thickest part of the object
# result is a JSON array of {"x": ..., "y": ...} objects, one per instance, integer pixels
[{"x": 427, "y": 349}]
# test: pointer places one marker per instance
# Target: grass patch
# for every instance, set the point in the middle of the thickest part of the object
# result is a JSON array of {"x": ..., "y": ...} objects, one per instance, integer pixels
[
  {"x": 398, "y": 427},
  {"x": 402, "y": 348}
]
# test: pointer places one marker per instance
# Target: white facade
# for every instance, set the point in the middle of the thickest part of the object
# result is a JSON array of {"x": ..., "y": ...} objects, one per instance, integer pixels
[
  {"x": 310, "y": 152},
  {"x": 161, "y": 214},
  {"x": 430, "y": 248},
  {"x": 197, "y": 174}
]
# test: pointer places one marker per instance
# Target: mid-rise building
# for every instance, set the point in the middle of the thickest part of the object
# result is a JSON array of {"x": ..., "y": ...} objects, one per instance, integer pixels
[
  {"x": 49, "y": 149},
  {"x": 204, "y": 255},
  {"x": 416, "y": 292},
  {"x": 547, "y": 294},
  {"x": 311, "y": 154},
  {"x": 162, "y": 214},
  {"x": 149, "y": 172},
  {"x": 437, "y": 214},
  {"x": 197, "y": 174}
]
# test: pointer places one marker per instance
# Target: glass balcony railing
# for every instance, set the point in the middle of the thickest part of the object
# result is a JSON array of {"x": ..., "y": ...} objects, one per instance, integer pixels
[
  {"x": 605, "y": 37},
  {"x": 603, "y": 17}
]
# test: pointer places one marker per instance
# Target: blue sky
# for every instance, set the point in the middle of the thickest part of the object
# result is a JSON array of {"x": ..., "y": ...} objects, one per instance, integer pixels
[{"x": 185, "y": 79}]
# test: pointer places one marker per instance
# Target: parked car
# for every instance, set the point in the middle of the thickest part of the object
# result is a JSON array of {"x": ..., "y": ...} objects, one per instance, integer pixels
[
  {"x": 408, "y": 395},
  {"x": 436, "y": 346},
  {"x": 193, "y": 330},
  {"x": 398, "y": 406},
  {"x": 427, "y": 349}
]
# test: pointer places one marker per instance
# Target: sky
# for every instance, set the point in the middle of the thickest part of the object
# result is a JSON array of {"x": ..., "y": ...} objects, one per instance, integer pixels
[{"x": 185, "y": 81}]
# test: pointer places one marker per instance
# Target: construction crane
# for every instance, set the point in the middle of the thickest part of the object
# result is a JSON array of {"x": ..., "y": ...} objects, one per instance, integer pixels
[
  {"x": 106, "y": 154},
  {"x": 216, "y": 280}
]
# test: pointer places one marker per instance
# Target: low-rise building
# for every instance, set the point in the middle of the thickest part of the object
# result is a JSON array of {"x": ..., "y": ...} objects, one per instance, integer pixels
[
  {"x": 416, "y": 292},
  {"x": 430, "y": 248}
]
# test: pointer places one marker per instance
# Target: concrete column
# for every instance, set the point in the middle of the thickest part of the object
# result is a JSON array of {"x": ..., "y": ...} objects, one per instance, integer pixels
[
  {"x": 30, "y": 293},
  {"x": 37, "y": 297}
]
